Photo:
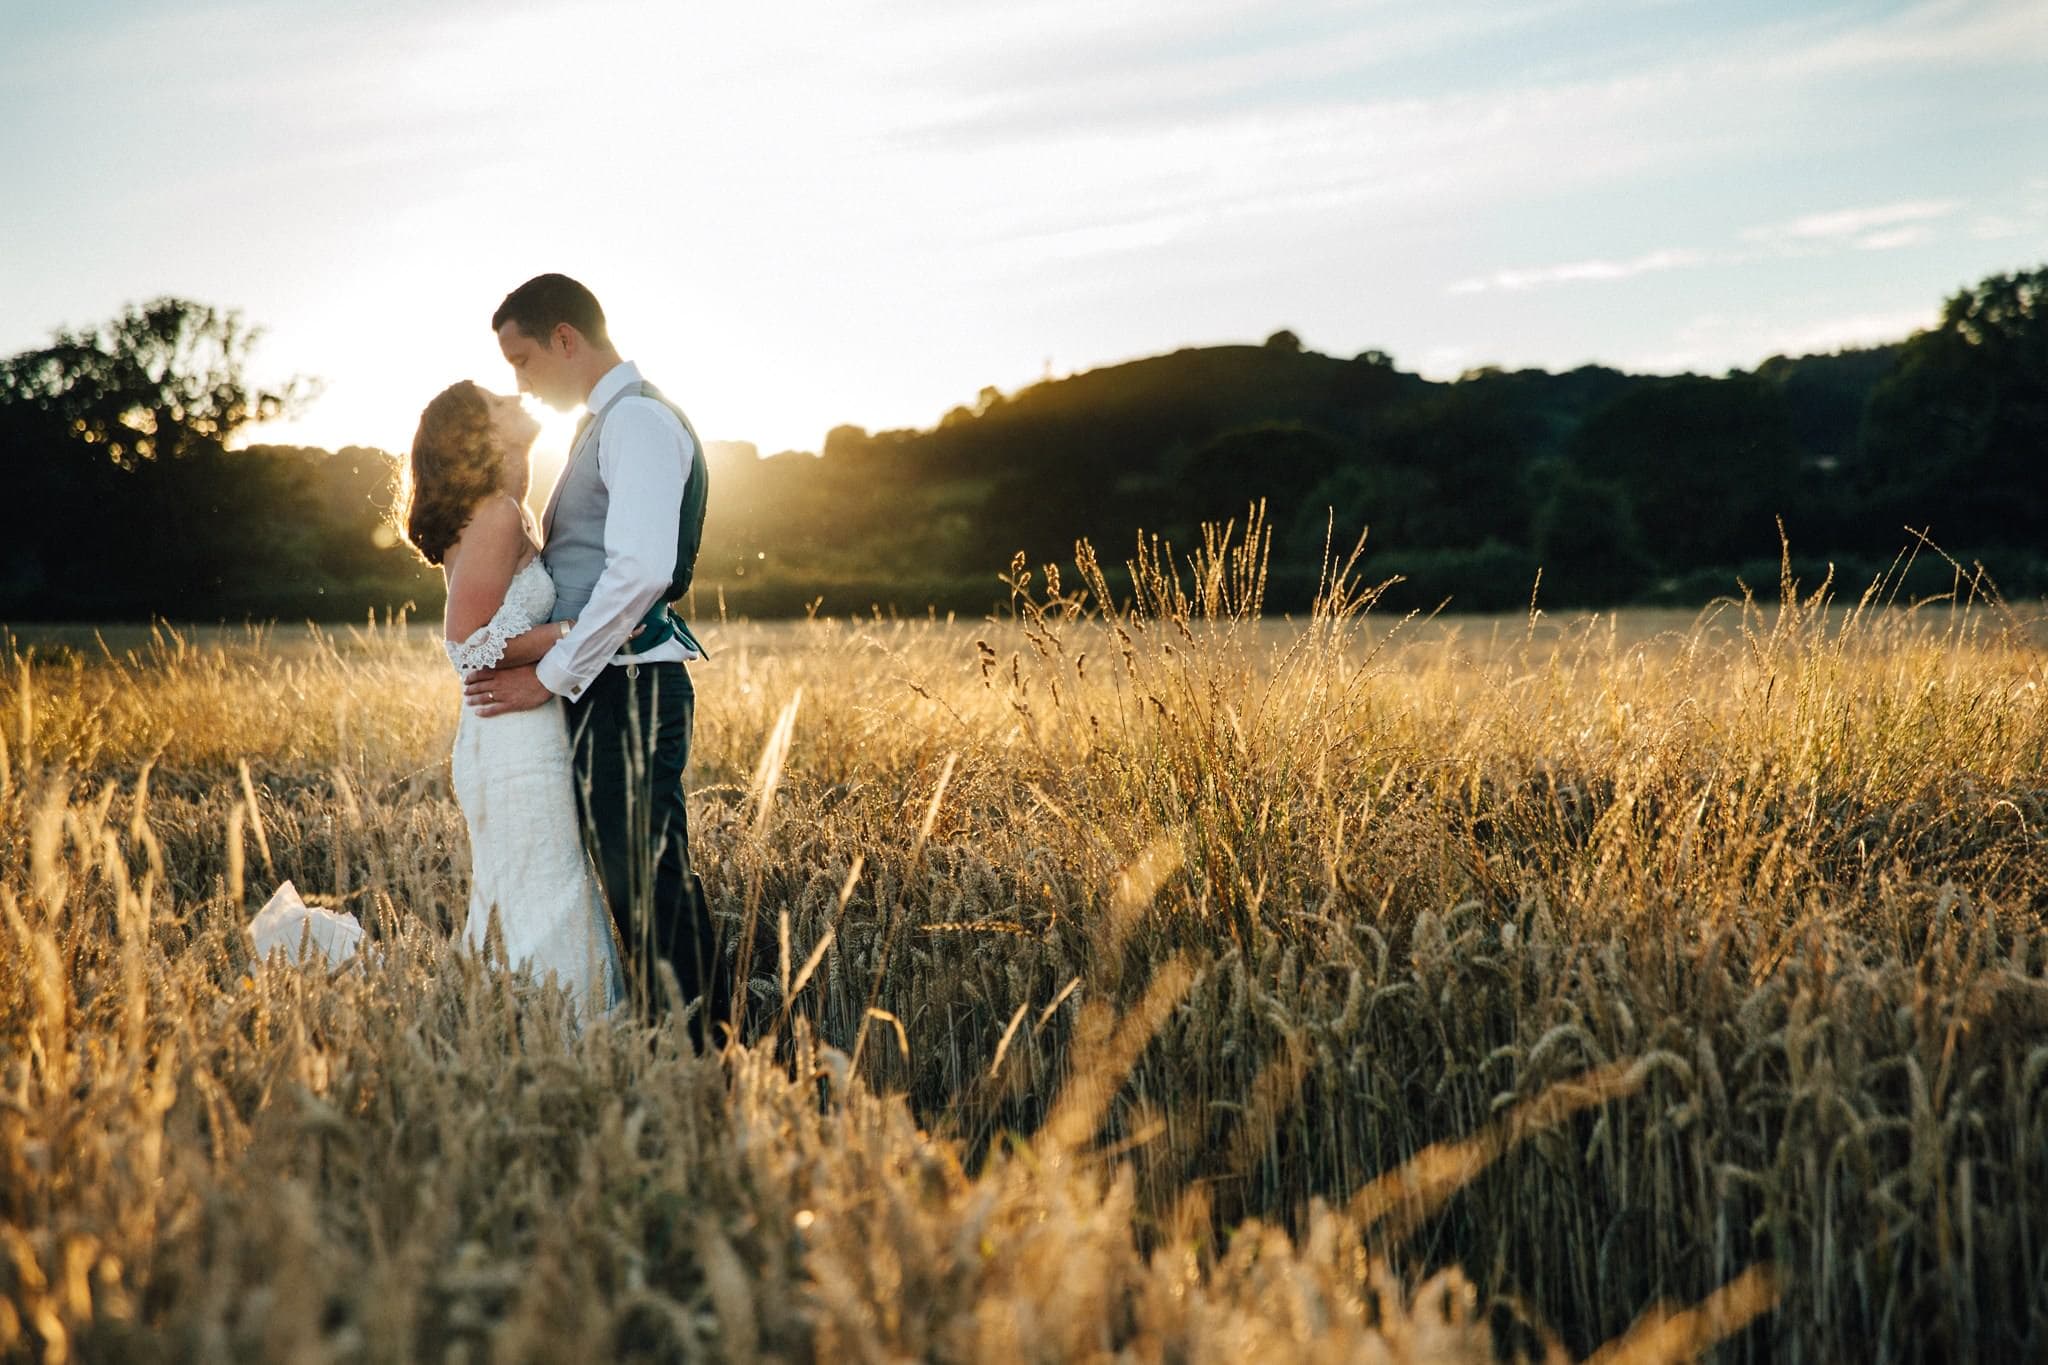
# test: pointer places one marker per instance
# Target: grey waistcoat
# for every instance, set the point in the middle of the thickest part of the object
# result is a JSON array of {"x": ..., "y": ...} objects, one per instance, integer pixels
[{"x": 573, "y": 525}]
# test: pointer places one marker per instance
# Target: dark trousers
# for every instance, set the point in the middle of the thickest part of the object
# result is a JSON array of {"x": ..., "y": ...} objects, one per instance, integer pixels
[{"x": 631, "y": 735}]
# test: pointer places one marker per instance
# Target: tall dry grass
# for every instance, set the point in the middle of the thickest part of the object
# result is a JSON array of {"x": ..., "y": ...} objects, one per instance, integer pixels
[{"x": 1159, "y": 981}]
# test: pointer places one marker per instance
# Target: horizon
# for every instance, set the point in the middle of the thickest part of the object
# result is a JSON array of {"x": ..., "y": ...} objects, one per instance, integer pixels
[
  {"x": 554, "y": 423},
  {"x": 867, "y": 214}
]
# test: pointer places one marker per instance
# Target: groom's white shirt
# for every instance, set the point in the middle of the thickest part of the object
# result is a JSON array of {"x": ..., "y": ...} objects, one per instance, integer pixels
[{"x": 643, "y": 456}]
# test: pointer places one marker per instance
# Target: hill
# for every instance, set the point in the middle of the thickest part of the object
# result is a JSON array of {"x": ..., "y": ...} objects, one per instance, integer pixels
[{"x": 1620, "y": 487}]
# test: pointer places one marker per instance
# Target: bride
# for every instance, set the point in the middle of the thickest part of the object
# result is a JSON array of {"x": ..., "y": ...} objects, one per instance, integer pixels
[{"x": 529, "y": 879}]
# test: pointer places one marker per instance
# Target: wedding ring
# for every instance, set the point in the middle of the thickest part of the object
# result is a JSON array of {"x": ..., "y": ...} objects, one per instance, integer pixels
[{"x": 490, "y": 696}]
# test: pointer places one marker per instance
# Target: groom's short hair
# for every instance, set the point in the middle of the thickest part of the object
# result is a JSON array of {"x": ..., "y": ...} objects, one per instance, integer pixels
[{"x": 545, "y": 302}]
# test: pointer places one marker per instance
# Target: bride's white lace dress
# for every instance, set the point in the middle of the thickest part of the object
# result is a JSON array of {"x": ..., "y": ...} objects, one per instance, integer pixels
[{"x": 514, "y": 779}]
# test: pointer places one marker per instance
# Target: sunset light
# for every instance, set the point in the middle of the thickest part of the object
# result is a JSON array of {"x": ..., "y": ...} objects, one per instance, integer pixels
[
  {"x": 865, "y": 213},
  {"x": 936, "y": 680}
]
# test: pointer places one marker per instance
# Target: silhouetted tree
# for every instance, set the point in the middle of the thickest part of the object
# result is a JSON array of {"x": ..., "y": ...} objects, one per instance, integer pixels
[
  {"x": 125, "y": 500},
  {"x": 1470, "y": 447},
  {"x": 1706, "y": 464},
  {"x": 1280, "y": 462},
  {"x": 1587, "y": 540},
  {"x": 1825, "y": 397},
  {"x": 1957, "y": 436},
  {"x": 123, "y": 497},
  {"x": 160, "y": 381},
  {"x": 1400, "y": 505}
]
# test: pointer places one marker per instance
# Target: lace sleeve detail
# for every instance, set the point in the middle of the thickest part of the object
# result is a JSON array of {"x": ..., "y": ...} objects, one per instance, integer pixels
[{"x": 485, "y": 647}]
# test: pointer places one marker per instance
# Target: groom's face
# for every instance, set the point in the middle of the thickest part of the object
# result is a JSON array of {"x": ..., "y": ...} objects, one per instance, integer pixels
[{"x": 542, "y": 367}]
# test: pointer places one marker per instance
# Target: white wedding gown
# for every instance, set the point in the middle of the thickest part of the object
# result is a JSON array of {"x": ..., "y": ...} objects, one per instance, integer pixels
[{"x": 514, "y": 779}]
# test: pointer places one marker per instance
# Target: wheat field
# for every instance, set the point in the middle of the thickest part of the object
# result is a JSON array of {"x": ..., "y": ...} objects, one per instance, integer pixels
[{"x": 1160, "y": 983}]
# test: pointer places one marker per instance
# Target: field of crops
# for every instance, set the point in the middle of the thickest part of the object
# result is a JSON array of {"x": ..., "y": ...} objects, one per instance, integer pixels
[{"x": 1161, "y": 984}]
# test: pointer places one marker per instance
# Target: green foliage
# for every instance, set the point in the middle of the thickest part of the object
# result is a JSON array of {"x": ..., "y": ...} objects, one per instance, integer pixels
[
  {"x": 129, "y": 504},
  {"x": 1281, "y": 462},
  {"x": 1493, "y": 576},
  {"x": 1623, "y": 487},
  {"x": 1706, "y": 464},
  {"x": 1957, "y": 433},
  {"x": 1587, "y": 539},
  {"x": 1825, "y": 396},
  {"x": 1470, "y": 443},
  {"x": 162, "y": 381}
]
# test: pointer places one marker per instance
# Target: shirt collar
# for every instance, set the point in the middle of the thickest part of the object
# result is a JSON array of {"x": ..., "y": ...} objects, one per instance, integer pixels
[{"x": 615, "y": 380}]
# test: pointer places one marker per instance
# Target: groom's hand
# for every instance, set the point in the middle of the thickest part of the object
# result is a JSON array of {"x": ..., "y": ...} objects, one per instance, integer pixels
[{"x": 495, "y": 691}]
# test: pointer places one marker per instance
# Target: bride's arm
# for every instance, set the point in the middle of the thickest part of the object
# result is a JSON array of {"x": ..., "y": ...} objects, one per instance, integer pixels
[
  {"x": 527, "y": 647},
  {"x": 480, "y": 565}
]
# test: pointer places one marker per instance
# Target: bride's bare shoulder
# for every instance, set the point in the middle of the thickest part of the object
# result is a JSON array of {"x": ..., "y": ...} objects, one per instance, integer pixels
[{"x": 496, "y": 530}]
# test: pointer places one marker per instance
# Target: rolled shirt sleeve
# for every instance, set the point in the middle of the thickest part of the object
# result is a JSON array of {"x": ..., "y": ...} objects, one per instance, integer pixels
[{"x": 644, "y": 457}]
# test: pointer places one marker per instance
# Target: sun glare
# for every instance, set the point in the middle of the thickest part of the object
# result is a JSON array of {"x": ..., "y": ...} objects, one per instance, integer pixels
[{"x": 550, "y": 451}]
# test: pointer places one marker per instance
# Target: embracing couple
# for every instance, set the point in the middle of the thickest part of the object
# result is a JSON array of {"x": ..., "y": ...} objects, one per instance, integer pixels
[{"x": 577, "y": 703}]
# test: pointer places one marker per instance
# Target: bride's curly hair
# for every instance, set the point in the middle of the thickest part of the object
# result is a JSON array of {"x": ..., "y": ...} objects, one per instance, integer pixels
[{"x": 455, "y": 465}]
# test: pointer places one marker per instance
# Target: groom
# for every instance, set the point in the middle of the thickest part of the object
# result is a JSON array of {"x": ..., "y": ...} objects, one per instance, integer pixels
[{"x": 622, "y": 531}]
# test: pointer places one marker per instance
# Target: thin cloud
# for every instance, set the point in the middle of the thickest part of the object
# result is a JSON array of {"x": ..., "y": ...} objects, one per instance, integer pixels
[
  {"x": 1170, "y": 66},
  {"x": 1855, "y": 329},
  {"x": 1715, "y": 341},
  {"x": 1996, "y": 227},
  {"x": 1938, "y": 33},
  {"x": 944, "y": 192},
  {"x": 1101, "y": 239},
  {"x": 1572, "y": 272},
  {"x": 1891, "y": 239},
  {"x": 1883, "y": 227},
  {"x": 1846, "y": 224}
]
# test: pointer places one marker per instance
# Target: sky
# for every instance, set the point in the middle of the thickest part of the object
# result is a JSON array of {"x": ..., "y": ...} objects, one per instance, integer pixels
[{"x": 805, "y": 214}]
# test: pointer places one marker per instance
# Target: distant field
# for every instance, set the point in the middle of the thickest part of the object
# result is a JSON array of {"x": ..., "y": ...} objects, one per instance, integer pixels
[
  {"x": 1628, "y": 625},
  {"x": 1165, "y": 982}
]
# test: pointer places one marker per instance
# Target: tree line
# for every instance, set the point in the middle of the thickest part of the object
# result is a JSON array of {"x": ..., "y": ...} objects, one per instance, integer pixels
[{"x": 126, "y": 500}]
